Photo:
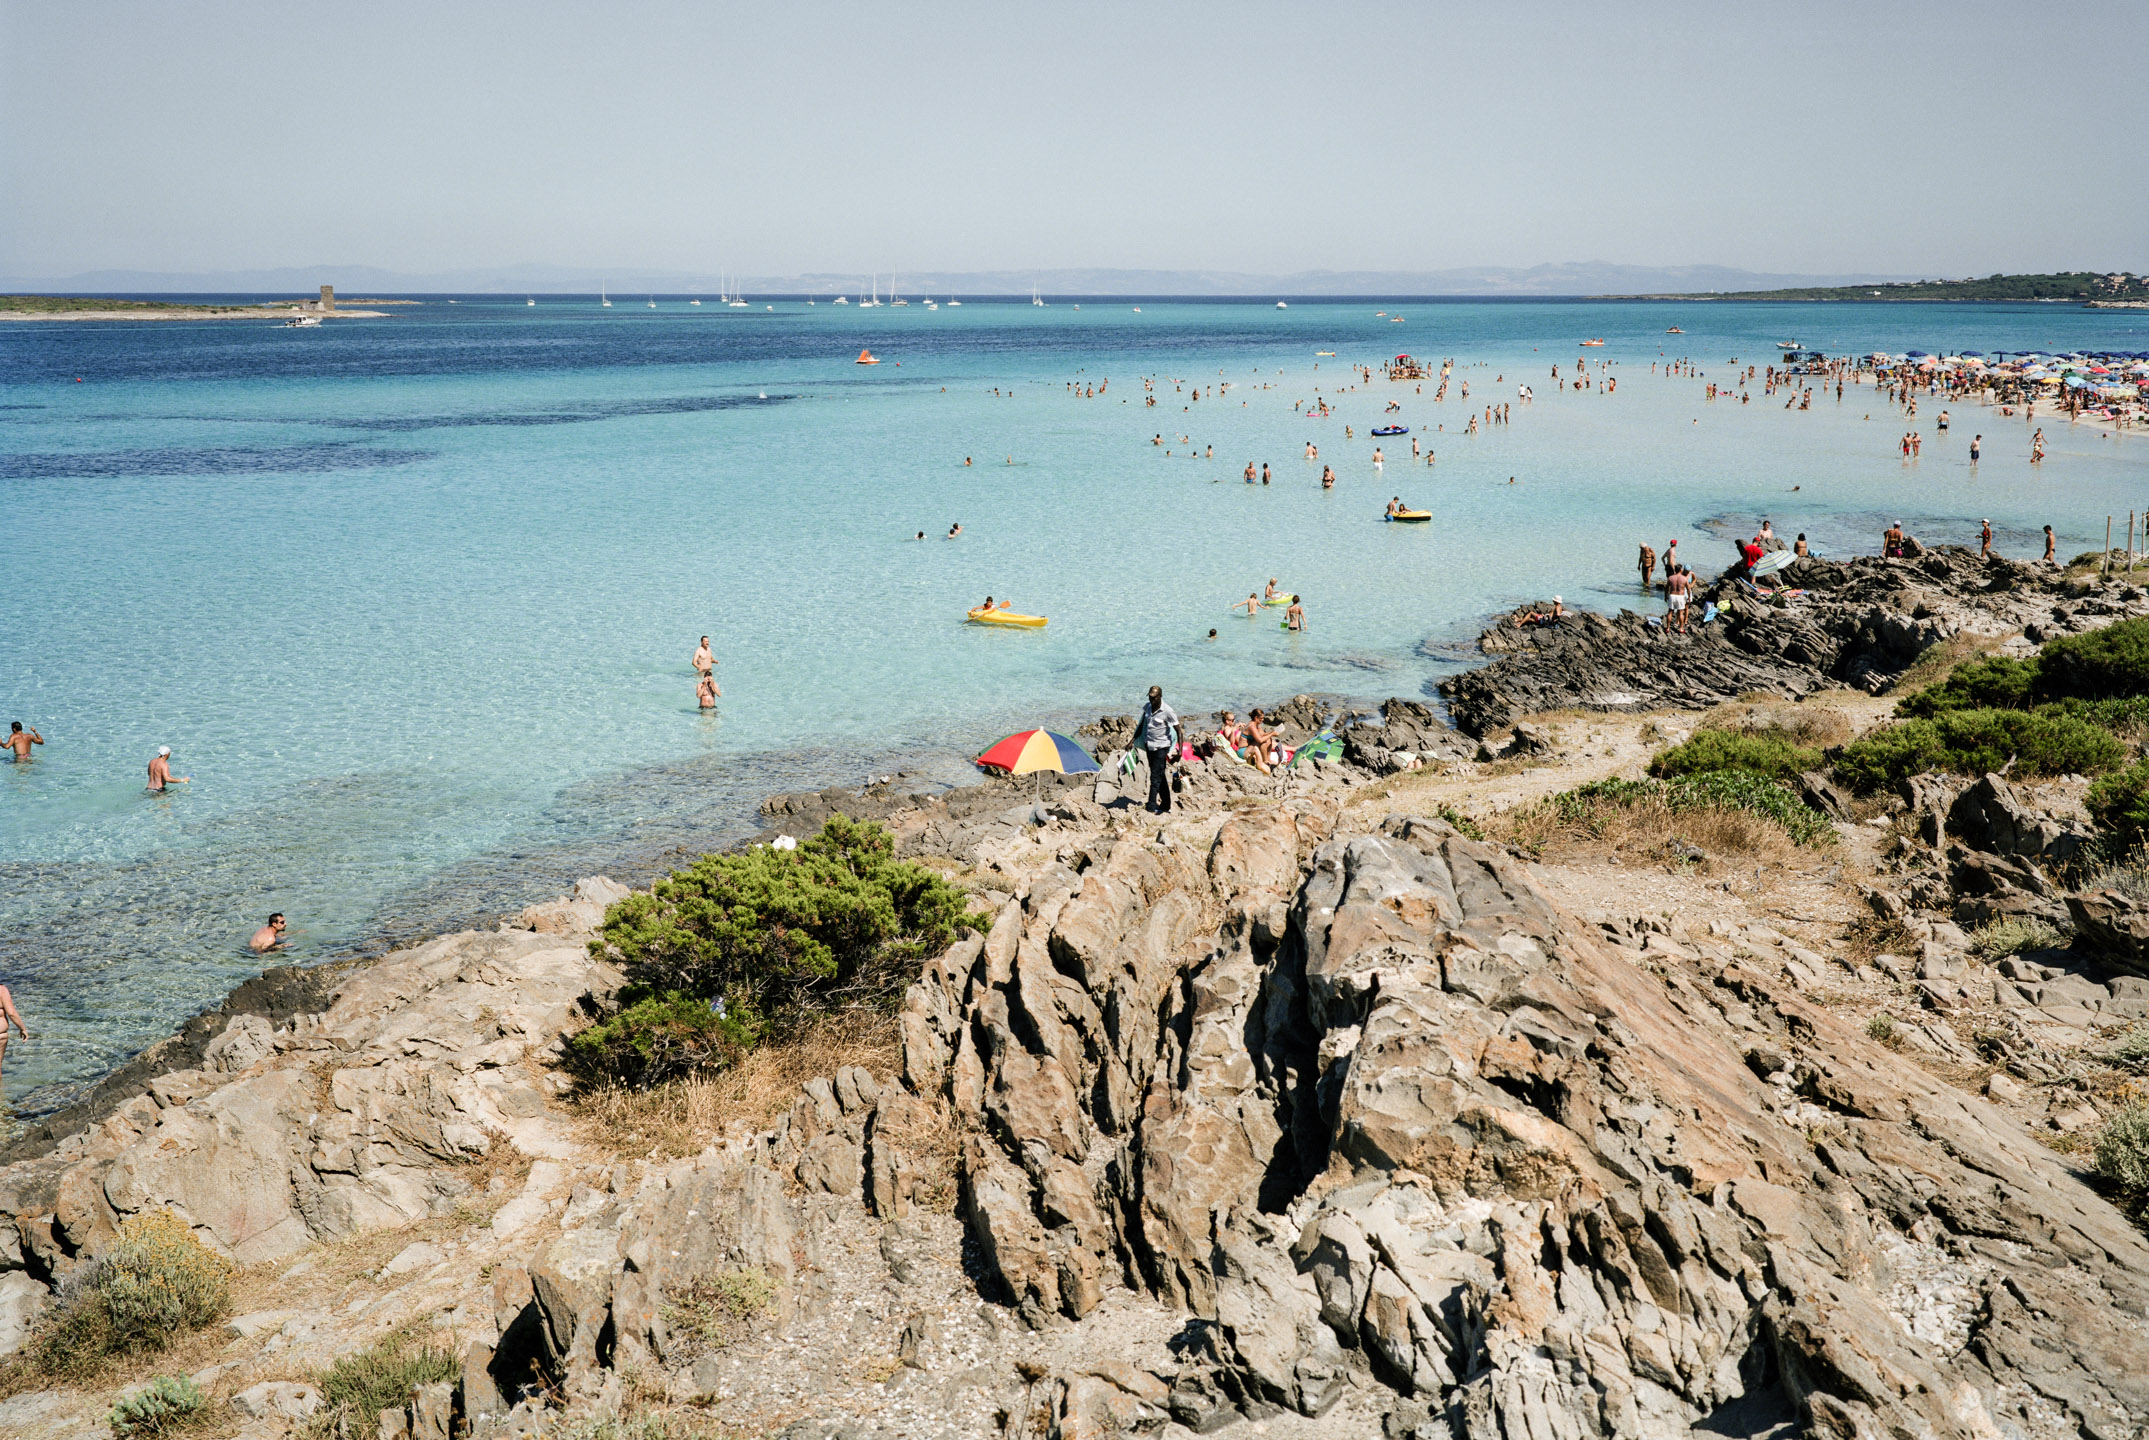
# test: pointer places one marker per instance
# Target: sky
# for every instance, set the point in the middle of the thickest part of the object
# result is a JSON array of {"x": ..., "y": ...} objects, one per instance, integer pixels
[{"x": 1919, "y": 138}]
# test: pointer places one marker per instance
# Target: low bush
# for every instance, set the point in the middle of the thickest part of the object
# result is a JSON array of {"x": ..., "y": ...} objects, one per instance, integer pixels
[
  {"x": 2123, "y": 1152},
  {"x": 168, "y": 1404},
  {"x": 1880, "y": 1027},
  {"x": 358, "y": 1387},
  {"x": 154, "y": 1285},
  {"x": 2046, "y": 741},
  {"x": 735, "y": 948},
  {"x": 2119, "y": 804},
  {"x": 1716, "y": 750},
  {"x": 2013, "y": 936},
  {"x": 1469, "y": 829},
  {"x": 2131, "y": 1050},
  {"x": 2106, "y": 664},
  {"x": 1994, "y": 682},
  {"x": 1721, "y": 791}
]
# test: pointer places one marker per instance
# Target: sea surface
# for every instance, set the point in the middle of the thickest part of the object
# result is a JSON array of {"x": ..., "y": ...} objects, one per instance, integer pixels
[{"x": 412, "y": 599}]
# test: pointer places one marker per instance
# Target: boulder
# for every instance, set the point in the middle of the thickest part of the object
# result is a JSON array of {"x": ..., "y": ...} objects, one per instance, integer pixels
[
  {"x": 1990, "y": 815},
  {"x": 2114, "y": 925},
  {"x": 284, "y": 1400}
]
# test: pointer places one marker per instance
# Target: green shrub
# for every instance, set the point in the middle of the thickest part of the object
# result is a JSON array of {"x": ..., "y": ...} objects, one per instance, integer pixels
[
  {"x": 156, "y": 1284},
  {"x": 735, "y": 946},
  {"x": 2119, "y": 804},
  {"x": 2046, "y": 741},
  {"x": 358, "y": 1387},
  {"x": 1469, "y": 829},
  {"x": 1711, "y": 790},
  {"x": 1714, "y": 750},
  {"x": 1880, "y": 1027},
  {"x": 168, "y": 1403},
  {"x": 658, "y": 1037},
  {"x": 1995, "y": 682},
  {"x": 2123, "y": 1151},
  {"x": 2106, "y": 664},
  {"x": 2014, "y": 935}
]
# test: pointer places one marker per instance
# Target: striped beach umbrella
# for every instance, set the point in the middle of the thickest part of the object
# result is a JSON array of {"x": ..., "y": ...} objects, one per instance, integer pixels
[{"x": 1029, "y": 750}]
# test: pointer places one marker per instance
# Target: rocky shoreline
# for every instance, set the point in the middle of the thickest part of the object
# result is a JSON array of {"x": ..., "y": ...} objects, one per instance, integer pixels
[{"x": 1302, "y": 1108}]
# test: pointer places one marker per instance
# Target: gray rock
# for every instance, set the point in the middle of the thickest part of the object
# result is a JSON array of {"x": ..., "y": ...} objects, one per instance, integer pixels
[{"x": 277, "y": 1400}]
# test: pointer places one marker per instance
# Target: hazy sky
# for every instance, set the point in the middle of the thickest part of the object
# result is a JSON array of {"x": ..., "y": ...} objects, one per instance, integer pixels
[{"x": 780, "y": 138}]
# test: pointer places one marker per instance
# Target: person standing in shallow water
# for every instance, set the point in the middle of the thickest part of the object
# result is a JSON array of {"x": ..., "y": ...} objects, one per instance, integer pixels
[
  {"x": 1647, "y": 564},
  {"x": 9, "y": 1015}
]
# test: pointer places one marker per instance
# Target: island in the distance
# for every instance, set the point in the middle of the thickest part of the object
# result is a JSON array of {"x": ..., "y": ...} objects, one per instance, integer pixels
[
  {"x": 106, "y": 307},
  {"x": 2113, "y": 289}
]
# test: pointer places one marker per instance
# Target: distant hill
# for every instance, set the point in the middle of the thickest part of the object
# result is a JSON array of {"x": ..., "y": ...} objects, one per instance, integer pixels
[
  {"x": 1575, "y": 279},
  {"x": 2075, "y": 285}
]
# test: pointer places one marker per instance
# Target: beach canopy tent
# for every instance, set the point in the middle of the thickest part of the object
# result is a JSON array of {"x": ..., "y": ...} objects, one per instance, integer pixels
[{"x": 1032, "y": 750}]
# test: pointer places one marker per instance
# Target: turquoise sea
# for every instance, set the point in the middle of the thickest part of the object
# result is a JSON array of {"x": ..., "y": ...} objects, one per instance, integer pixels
[{"x": 412, "y": 599}]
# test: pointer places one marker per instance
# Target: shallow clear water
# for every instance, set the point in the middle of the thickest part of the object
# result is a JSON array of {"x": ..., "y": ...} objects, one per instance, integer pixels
[{"x": 413, "y": 599}]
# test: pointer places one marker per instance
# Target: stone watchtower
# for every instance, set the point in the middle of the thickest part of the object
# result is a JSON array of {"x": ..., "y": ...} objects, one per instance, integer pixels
[{"x": 328, "y": 297}]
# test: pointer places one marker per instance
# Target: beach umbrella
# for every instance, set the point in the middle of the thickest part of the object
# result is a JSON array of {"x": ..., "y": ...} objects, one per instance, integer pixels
[{"x": 1029, "y": 750}]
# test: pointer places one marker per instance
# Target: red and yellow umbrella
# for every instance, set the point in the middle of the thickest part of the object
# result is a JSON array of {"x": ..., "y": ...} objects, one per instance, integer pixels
[{"x": 1029, "y": 750}]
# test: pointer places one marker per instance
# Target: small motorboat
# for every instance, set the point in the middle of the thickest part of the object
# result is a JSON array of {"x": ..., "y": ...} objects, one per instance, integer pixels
[
  {"x": 1390, "y": 430},
  {"x": 1592, "y": 342},
  {"x": 1006, "y": 617},
  {"x": 1411, "y": 515},
  {"x": 1674, "y": 330},
  {"x": 865, "y": 357},
  {"x": 1788, "y": 345},
  {"x": 1281, "y": 306}
]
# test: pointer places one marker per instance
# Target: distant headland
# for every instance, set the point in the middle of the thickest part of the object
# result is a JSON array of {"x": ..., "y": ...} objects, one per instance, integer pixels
[{"x": 2116, "y": 289}]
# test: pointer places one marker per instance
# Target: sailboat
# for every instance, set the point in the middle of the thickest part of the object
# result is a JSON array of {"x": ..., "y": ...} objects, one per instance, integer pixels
[
  {"x": 603, "y": 299},
  {"x": 1035, "y": 298},
  {"x": 872, "y": 302},
  {"x": 892, "y": 298},
  {"x": 528, "y": 300},
  {"x": 954, "y": 304},
  {"x": 652, "y": 302},
  {"x": 738, "y": 301},
  {"x": 696, "y": 301}
]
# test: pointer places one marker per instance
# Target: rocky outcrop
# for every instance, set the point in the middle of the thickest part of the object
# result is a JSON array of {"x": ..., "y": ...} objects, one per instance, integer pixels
[
  {"x": 354, "y": 1118},
  {"x": 1859, "y": 622},
  {"x": 1369, "y": 1106}
]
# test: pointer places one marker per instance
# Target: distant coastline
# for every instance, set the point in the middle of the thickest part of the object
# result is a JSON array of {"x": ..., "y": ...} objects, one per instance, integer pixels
[
  {"x": 76, "y": 307},
  {"x": 2099, "y": 290}
]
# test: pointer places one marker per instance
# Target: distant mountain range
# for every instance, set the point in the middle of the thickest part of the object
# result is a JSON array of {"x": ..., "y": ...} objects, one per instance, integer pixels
[{"x": 1594, "y": 277}]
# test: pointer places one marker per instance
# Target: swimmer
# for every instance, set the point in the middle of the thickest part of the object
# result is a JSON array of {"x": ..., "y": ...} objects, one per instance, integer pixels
[
  {"x": 705, "y": 692},
  {"x": 1212, "y": 634},
  {"x": 919, "y": 536},
  {"x": 270, "y": 936},
  {"x": 19, "y": 741},
  {"x": 1294, "y": 618},
  {"x": 1395, "y": 503},
  {"x": 1249, "y": 472},
  {"x": 704, "y": 662},
  {"x": 955, "y": 530},
  {"x": 1264, "y": 472},
  {"x": 1377, "y": 460},
  {"x": 160, "y": 772},
  {"x": 1251, "y": 603}
]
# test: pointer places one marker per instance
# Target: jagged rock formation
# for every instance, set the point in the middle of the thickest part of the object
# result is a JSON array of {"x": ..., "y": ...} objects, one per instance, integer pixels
[
  {"x": 1368, "y": 1105},
  {"x": 1860, "y": 622}
]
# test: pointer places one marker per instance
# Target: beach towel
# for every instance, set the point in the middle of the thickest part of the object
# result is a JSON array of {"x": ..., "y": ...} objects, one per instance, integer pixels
[{"x": 1708, "y": 612}]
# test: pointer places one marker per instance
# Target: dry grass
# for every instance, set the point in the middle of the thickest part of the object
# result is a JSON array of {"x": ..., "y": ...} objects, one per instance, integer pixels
[
  {"x": 1647, "y": 828},
  {"x": 1870, "y": 935},
  {"x": 1933, "y": 666},
  {"x": 670, "y": 1121},
  {"x": 1818, "y": 726}
]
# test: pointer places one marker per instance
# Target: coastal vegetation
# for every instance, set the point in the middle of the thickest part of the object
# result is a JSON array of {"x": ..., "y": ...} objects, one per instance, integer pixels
[
  {"x": 155, "y": 1284},
  {"x": 68, "y": 304},
  {"x": 167, "y": 1405},
  {"x": 359, "y": 1386},
  {"x": 2061, "y": 285},
  {"x": 738, "y": 949}
]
